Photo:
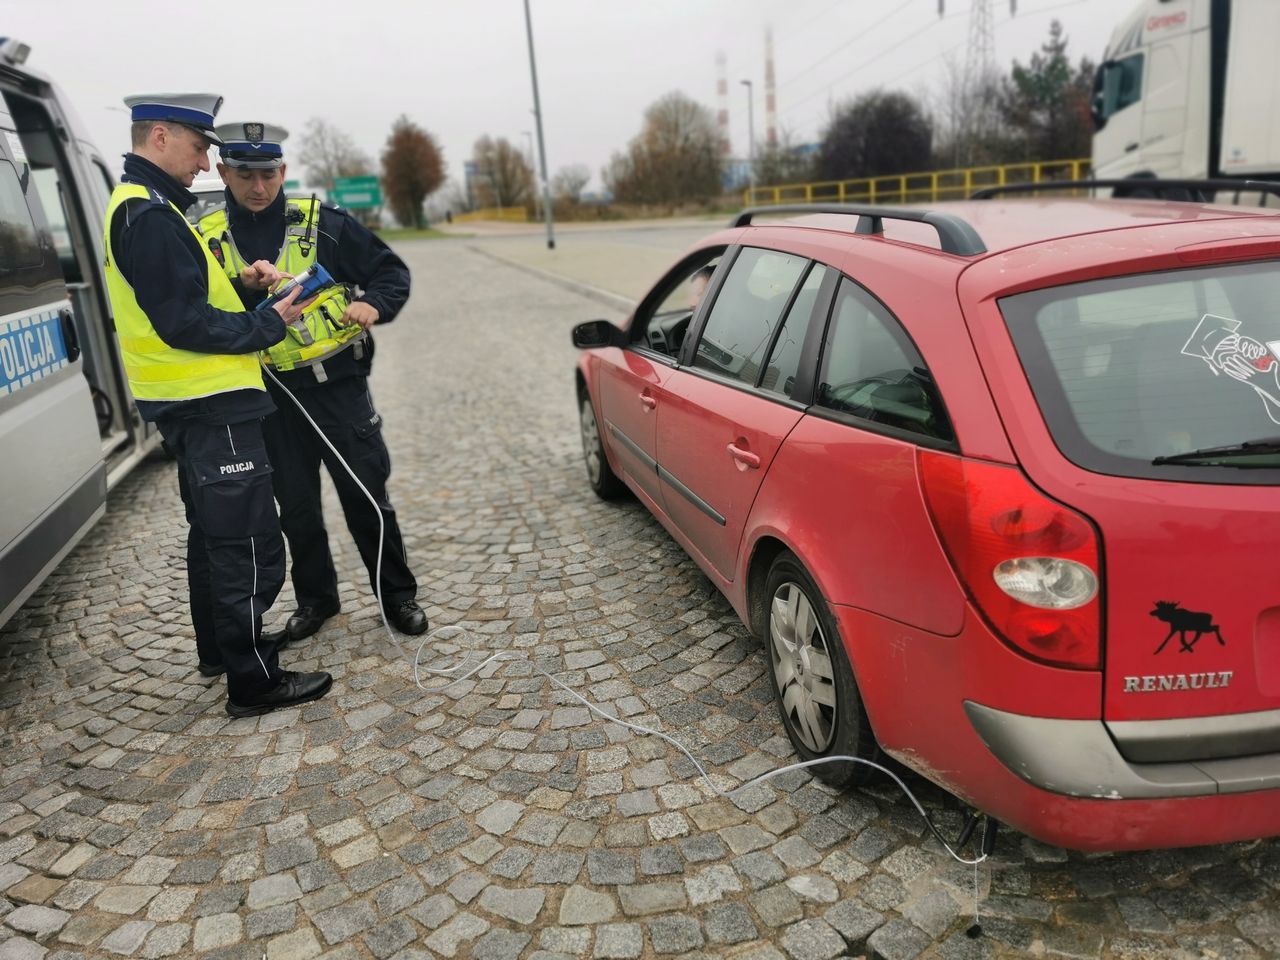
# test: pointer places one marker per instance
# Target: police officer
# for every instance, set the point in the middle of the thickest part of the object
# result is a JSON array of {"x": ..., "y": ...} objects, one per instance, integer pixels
[
  {"x": 190, "y": 351},
  {"x": 324, "y": 363}
]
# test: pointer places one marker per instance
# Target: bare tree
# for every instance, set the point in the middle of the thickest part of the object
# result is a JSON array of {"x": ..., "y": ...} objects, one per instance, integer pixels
[
  {"x": 502, "y": 174},
  {"x": 675, "y": 158},
  {"x": 329, "y": 153},
  {"x": 412, "y": 169},
  {"x": 569, "y": 182}
]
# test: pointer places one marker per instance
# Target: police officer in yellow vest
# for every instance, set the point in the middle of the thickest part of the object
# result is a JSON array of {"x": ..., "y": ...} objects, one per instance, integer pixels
[
  {"x": 324, "y": 361},
  {"x": 190, "y": 352}
]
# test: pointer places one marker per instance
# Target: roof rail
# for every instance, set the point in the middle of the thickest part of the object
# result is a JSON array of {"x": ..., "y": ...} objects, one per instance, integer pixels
[
  {"x": 1197, "y": 191},
  {"x": 954, "y": 234}
]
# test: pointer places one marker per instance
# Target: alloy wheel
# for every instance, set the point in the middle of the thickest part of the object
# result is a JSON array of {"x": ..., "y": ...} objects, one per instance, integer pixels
[
  {"x": 590, "y": 441},
  {"x": 802, "y": 667}
]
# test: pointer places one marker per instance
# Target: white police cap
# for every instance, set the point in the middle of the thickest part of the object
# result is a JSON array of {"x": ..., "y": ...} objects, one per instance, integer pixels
[
  {"x": 252, "y": 145},
  {"x": 195, "y": 110}
]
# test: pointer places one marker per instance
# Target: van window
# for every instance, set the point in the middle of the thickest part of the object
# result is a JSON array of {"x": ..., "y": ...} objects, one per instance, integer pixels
[
  {"x": 1132, "y": 369},
  {"x": 20, "y": 240}
]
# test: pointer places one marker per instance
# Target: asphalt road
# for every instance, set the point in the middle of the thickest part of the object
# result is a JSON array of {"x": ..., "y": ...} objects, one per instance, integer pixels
[{"x": 495, "y": 818}]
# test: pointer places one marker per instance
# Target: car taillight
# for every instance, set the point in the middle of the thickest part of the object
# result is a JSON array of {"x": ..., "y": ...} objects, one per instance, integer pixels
[{"x": 1030, "y": 563}]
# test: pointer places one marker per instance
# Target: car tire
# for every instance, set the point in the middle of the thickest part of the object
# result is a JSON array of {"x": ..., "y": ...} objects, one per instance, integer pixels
[
  {"x": 600, "y": 475},
  {"x": 817, "y": 696}
]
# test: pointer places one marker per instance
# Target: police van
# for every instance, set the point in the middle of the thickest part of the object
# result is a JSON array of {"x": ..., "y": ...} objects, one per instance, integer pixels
[{"x": 68, "y": 427}]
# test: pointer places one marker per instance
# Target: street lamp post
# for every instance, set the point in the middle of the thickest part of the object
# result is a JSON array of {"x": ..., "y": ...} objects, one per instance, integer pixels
[
  {"x": 751, "y": 140},
  {"x": 537, "y": 115},
  {"x": 533, "y": 167}
]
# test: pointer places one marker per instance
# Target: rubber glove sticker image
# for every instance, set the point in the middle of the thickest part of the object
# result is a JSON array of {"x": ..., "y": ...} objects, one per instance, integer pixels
[{"x": 1217, "y": 341}]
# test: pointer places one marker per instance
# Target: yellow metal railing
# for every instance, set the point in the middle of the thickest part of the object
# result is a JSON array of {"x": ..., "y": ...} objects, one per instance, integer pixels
[
  {"x": 509, "y": 214},
  {"x": 928, "y": 187}
]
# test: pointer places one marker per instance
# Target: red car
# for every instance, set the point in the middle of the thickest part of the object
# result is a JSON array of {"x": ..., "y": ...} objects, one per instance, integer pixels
[{"x": 995, "y": 482}]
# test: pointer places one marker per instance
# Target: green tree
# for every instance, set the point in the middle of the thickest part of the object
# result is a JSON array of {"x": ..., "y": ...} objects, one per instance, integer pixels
[
  {"x": 878, "y": 133},
  {"x": 412, "y": 170},
  {"x": 1046, "y": 103},
  {"x": 674, "y": 159}
]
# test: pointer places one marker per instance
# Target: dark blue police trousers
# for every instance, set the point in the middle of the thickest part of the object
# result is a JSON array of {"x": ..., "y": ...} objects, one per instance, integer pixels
[{"x": 235, "y": 554}]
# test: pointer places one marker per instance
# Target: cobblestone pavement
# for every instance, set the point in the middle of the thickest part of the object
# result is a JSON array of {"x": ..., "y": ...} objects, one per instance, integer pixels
[{"x": 494, "y": 819}]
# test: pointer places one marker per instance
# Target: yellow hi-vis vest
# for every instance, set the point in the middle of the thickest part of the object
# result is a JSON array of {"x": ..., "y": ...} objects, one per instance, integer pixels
[
  {"x": 317, "y": 334},
  {"x": 157, "y": 371}
]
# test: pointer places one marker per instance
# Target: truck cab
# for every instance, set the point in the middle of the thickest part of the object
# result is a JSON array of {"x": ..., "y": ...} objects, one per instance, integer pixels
[
  {"x": 1187, "y": 90},
  {"x": 69, "y": 430}
]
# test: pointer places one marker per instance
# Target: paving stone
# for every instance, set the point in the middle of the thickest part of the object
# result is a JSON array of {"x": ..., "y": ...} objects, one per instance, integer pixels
[
  {"x": 521, "y": 906},
  {"x": 269, "y": 891},
  {"x": 897, "y": 940},
  {"x": 812, "y": 940},
  {"x": 299, "y": 945},
  {"x": 582, "y": 906},
  {"x": 729, "y": 923},
  {"x": 36, "y": 921},
  {"x": 127, "y": 938},
  {"x": 462, "y": 928},
  {"x": 500, "y": 945},
  {"x": 618, "y": 941},
  {"x": 20, "y": 948},
  {"x": 341, "y": 923},
  {"x": 675, "y": 934},
  {"x": 219, "y": 930},
  {"x": 605, "y": 867},
  {"x": 776, "y": 906}
]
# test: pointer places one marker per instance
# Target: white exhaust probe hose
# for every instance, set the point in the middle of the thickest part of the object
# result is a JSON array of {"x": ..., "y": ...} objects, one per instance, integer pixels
[{"x": 509, "y": 655}]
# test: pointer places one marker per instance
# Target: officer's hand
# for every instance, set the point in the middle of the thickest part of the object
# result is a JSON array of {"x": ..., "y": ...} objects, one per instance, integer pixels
[
  {"x": 361, "y": 313},
  {"x": 262, "y": 275},
  {"x": 288, "y": 309}
]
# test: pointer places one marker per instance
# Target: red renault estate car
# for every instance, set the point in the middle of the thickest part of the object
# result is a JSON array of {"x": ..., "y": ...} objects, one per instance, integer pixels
[{"x": 997, "y": 484}]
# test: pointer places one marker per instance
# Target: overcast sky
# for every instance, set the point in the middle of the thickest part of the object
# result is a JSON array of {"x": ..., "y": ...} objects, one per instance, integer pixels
[{"x": 460, "y": 68}]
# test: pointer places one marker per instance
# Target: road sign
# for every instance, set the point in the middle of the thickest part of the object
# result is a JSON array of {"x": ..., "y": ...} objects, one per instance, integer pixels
[{"x": 357, "y": 192}]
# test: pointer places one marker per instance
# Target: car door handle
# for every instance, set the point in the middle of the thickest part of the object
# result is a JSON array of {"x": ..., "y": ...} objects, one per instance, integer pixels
[
  {"x": 744, "y": 456},
  {"x": 647, "y": 401},
  {"x": 1130, "y": 147}
]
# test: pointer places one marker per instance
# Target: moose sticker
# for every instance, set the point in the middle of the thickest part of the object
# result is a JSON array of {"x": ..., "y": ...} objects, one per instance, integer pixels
[
  {"x": 1218, "y": 342},
  {"x": 1183, "y": 622}
]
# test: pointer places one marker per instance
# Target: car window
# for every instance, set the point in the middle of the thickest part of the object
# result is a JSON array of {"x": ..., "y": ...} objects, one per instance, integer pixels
[
  {"x": 1120, "y": 85},
  {"x": 746, "y": 313},
  {"x": 1130, "y": 369},
  {"x": 663, "y": 319},
  {"x": 871, "y": 369},
  {"x": 784, "y": 360}
]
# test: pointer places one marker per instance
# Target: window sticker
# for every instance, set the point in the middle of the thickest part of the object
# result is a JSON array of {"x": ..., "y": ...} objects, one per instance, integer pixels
[{"x": 1218, "y": 342}]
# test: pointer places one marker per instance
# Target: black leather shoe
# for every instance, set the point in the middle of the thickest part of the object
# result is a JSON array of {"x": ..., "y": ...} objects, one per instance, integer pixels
[
  {"x": 407, "y": 617},
  {"x": 279, "y": 639},
  {"x": 211, "y": 669},
  {"x": 307, "y": 620},
  {"x": 294, "y": 688}
]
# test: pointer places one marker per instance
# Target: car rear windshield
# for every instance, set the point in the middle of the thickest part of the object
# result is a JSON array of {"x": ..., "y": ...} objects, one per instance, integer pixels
[{"x": 1133, "y": 370}]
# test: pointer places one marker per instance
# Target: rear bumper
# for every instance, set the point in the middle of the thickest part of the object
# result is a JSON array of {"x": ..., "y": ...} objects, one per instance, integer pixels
[
  {"x": 968, "y": 713},
  {"x": 1079, "y": 758}
]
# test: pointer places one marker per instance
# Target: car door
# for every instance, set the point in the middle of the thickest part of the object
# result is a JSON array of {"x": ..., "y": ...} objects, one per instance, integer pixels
[
  {"x": 632, "y": 380},
  {"x": 727, "y": 412},
  {"x": 55, "y": 482}
]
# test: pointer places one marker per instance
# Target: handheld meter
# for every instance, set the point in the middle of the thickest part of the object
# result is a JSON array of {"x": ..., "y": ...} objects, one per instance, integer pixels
[{"x": 313, "y": 280}]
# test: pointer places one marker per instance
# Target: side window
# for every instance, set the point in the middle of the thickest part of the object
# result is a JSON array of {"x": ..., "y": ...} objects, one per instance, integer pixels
[
  {"x": 1121, "y": 85},
  {"x": 871, "y": 370},
  {"x": 780, "y": 372},
  {"x": 746, "y": 312},
  {"x": 661, "y": 324},
  {"x": 20, "y": 241}
]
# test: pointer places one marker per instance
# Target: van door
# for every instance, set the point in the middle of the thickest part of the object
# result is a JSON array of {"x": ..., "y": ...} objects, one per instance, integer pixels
[
  {"x": 73, "y": 192},
  {"x": 55, "y": 482}
]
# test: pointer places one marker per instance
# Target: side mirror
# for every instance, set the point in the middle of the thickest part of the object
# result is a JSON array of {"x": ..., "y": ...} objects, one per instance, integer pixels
[{"x": 596, "y": 333}]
